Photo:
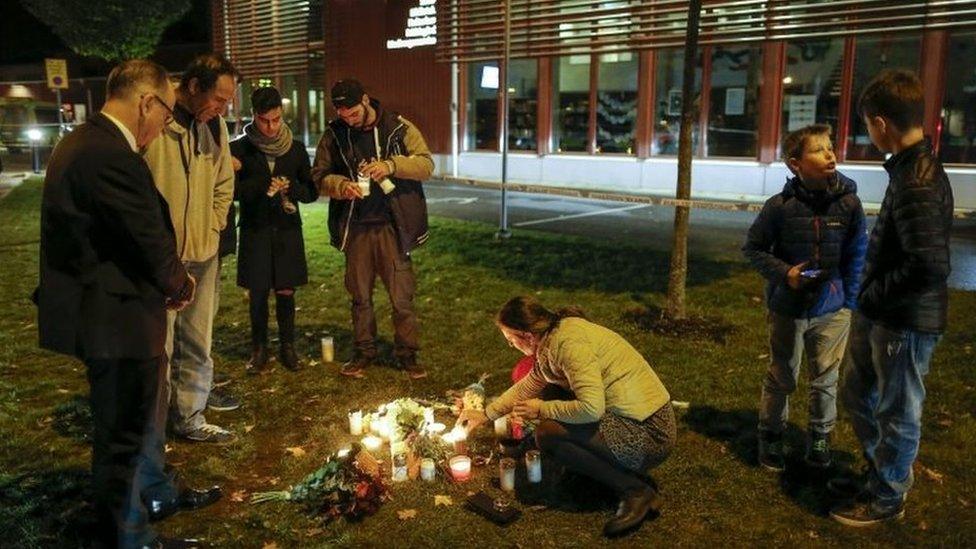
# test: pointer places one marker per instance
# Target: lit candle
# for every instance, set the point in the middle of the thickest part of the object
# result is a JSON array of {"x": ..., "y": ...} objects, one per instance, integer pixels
[
  {"x": 372, "y": 442},
  {"x": 533, "y": 466},
  {"x": 506, "y": 474},
  {"x": 458, "y": 437},
  {"x": 428, "y": 469},
  {"x": 501, "y": 426},
  {"x": 436, "y": 428},
  {"x": 356, "y": 422},
  {"x": 344, "y": 452},
  {"x": 376, "y": 424},
  {"x": 460, "y": 468}
]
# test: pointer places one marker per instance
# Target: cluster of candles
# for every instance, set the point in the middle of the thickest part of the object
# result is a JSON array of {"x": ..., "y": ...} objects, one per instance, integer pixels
[{"x": 381, "y": 426}]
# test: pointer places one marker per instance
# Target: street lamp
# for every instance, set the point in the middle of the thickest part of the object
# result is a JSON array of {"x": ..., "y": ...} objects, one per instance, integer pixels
[{"x": 35, "y": 135}]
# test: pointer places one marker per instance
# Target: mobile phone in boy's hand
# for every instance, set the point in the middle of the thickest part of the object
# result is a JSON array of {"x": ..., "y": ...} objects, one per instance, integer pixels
[{"x": 812, "y": 274}]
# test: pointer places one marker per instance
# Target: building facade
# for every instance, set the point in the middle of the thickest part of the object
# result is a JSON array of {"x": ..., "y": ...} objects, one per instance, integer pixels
[{"x": 595, "y": 86}]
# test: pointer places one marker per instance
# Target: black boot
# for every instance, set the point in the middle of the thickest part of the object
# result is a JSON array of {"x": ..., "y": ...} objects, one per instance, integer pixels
[
  {"x": 634, "y": 507},
  {"x": 259, "y": 359},
  {"x": 289, "y": 358}
]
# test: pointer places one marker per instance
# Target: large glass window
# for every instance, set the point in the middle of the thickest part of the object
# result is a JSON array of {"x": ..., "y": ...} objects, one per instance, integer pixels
[
  {"x": 481, "y": 113},
  {"x": 812, "y": 84},
  {"x": 523, "y": 101},
  {"x": 616, "y": 109},
  {"x": 733, "y": 114},
  {"x": 571, "y": 103},
  {"x": 871, "y": 56},
  {"x": 958, "y": 138},
  {"x": 668, "y": 78}
]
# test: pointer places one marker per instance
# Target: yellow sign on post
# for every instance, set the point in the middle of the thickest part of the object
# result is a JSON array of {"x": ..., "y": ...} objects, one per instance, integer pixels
[{"x": 57, "y": 73}]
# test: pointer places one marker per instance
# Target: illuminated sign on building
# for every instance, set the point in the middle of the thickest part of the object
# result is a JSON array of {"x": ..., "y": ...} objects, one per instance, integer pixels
[{"x": 421, "y": 27}]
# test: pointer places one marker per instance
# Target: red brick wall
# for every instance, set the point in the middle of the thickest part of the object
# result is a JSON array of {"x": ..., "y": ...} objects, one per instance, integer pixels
[{"x": 408, "y": 80}]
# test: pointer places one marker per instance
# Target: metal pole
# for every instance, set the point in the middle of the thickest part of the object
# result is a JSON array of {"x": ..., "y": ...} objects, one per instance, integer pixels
[
  {"x": 35, "y": 157},
  {"x": 60, "y": 114},
  {"x": 455, "y": 117},
  {"x": 503, "y": 231}
]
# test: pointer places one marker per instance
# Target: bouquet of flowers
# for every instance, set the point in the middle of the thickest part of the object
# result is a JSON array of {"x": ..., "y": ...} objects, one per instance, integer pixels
[
  {"x": 408, "y": 416},
  {"x": 338, "y": 488}
]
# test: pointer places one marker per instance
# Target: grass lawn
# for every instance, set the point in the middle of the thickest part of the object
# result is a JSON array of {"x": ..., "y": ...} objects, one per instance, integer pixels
[{"x": 715, "y": 494}]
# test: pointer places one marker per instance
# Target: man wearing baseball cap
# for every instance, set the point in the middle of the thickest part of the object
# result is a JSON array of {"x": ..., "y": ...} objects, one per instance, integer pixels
[{"x": 371, "y": 162}]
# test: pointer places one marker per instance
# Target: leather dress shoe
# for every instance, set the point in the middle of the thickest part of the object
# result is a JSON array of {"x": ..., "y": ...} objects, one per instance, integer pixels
[
  {"x": 633, "y": 509},
  {"x": 189, "y": 499}
]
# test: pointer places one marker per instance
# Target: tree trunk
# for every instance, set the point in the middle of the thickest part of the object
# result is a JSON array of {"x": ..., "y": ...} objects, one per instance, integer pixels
[{"x": 675, "y": 308}]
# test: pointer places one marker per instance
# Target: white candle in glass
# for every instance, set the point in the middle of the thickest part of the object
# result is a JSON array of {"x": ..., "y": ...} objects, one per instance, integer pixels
[
  {"x": 428, "y": 469},
  {"x": 356, "y": 422},
  {"x": 372, "y": 442},
  {"x": 506, "y": 474}
]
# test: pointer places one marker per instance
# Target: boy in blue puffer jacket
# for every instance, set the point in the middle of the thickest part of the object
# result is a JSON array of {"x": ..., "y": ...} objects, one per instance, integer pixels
[{"x": 809, "y": 243}]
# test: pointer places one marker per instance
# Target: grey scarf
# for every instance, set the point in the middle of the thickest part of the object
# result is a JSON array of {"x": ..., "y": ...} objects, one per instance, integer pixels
[{"x": 271, "y": 146}]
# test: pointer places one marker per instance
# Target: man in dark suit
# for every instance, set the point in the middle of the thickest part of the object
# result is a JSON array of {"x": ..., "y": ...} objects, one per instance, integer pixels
[{"x": 108, "y": 272}]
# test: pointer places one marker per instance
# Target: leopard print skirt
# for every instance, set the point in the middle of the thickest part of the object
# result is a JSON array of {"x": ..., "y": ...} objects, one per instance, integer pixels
[{"x": 640, "y": 445}]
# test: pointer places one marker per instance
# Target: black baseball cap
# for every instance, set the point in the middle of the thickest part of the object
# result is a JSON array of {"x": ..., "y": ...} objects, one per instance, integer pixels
[{"x": 347, "y": 93}]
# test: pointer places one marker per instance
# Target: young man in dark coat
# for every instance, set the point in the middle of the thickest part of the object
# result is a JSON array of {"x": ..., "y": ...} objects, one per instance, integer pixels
[
  {"x": 274, "y": 176},
  {"x": 108, "y": 272},
  {"x": 808, "y": 242},
  {"x": 371, "y": 162},
  {"x": 903, "y": 303}
]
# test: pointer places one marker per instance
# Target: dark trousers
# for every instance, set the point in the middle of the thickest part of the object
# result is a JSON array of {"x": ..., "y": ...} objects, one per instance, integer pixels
[
  {"x": 129, "y": 412},
  {"x": 581, "y": 449},
  {"x": 370, "y": 251}
]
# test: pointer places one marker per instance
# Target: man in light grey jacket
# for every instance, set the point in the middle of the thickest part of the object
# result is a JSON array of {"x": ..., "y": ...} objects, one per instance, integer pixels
[{"x": 191, "y": 164}]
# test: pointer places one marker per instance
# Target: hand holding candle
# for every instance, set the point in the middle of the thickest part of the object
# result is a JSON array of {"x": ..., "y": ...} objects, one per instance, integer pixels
[{"x": 528, "y": 409}]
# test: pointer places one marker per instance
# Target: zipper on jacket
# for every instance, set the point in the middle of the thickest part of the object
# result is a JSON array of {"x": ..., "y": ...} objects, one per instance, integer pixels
[
  {"x": 816, "y": 242},
  {"x": 186, "y": 203}
]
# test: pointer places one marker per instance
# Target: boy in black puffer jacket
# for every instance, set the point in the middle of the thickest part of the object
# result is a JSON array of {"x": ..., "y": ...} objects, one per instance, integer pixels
[
  {"x": 903, "y": 303},
  {"x": 808, "y": 242}
]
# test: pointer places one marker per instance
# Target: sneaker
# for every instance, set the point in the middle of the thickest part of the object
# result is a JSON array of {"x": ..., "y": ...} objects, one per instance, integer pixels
[
  {"x": 222, "y": 401},
  {"x": 210, "y": 433},
  {"x": 357, "y": 366},
  {"x": 289, "y": 359},
  {"x": 818, "y": 451},
  {"x": 413, "y": 369},
  {"x": 220, "y": 379},
  {"x": 771, "y": 451},
  {"x": 866, "y": 513}
]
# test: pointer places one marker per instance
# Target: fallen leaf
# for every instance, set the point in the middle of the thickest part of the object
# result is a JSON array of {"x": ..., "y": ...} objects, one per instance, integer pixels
[
  {"x": 923, "y": 526},
  {"x": 296, "y": 451},
  {"x": 238, "y": 496},
  {"x": 756, "y": 299},
  {"x": 680, "y": 404},
  {"x": 312, "y": 532},
  {"x": 248, "y": 428},
  {"x": 763, "y": 356},
  {"x": 306, "y": 418},
  {"x": 269, "y": 545},
  {"x": 442, "y": 500},
  {"x": 273, "y": 481},
  {"x": 63, "y": 391},
  {"x": 407, "y": 514},
  {"x": 813, "y": 534},
  {"x": 931, "y": 474},
  {"x": 965, "y": 502}
]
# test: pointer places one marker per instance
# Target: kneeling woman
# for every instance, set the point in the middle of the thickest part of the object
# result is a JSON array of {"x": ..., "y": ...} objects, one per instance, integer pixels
[
  {"x": 614, "y": 420},
  {"x": 274, "y": 175}
]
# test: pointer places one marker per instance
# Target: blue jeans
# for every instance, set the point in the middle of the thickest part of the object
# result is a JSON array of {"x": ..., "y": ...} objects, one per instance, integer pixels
[
  {"x": 188, "y": 343},
  {"x": 883, "y": 391},
  {"x": 823, "y": 340}
]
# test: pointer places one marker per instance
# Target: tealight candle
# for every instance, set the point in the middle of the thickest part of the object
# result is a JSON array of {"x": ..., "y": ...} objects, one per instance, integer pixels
[
  {"x": 428, "y": 469},
  {"x": 501, "y": 426},
  {"x": 460, "y": 468},
  {"x": 506, "y": 474},
  {"x": 372, "y": 442},
  {"x": 533, "y": 466},
  {"x": 356, "y": 422}
]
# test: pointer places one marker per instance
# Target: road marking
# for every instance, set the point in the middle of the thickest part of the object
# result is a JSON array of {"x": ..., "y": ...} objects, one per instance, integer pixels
[
  {"x": 576, "y": 216},
  {"x": 455, "y": 200}
]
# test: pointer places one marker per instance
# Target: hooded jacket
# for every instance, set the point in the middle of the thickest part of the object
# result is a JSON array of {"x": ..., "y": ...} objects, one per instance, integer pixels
[
  {"x": 825, "y": 228},
  {"x": 191, "y": 165},
  {"x": 399, "y": 142}
]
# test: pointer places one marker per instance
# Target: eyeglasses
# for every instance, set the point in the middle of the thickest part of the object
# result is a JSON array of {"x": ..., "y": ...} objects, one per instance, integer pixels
[{"x": 169, "y": 111}]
